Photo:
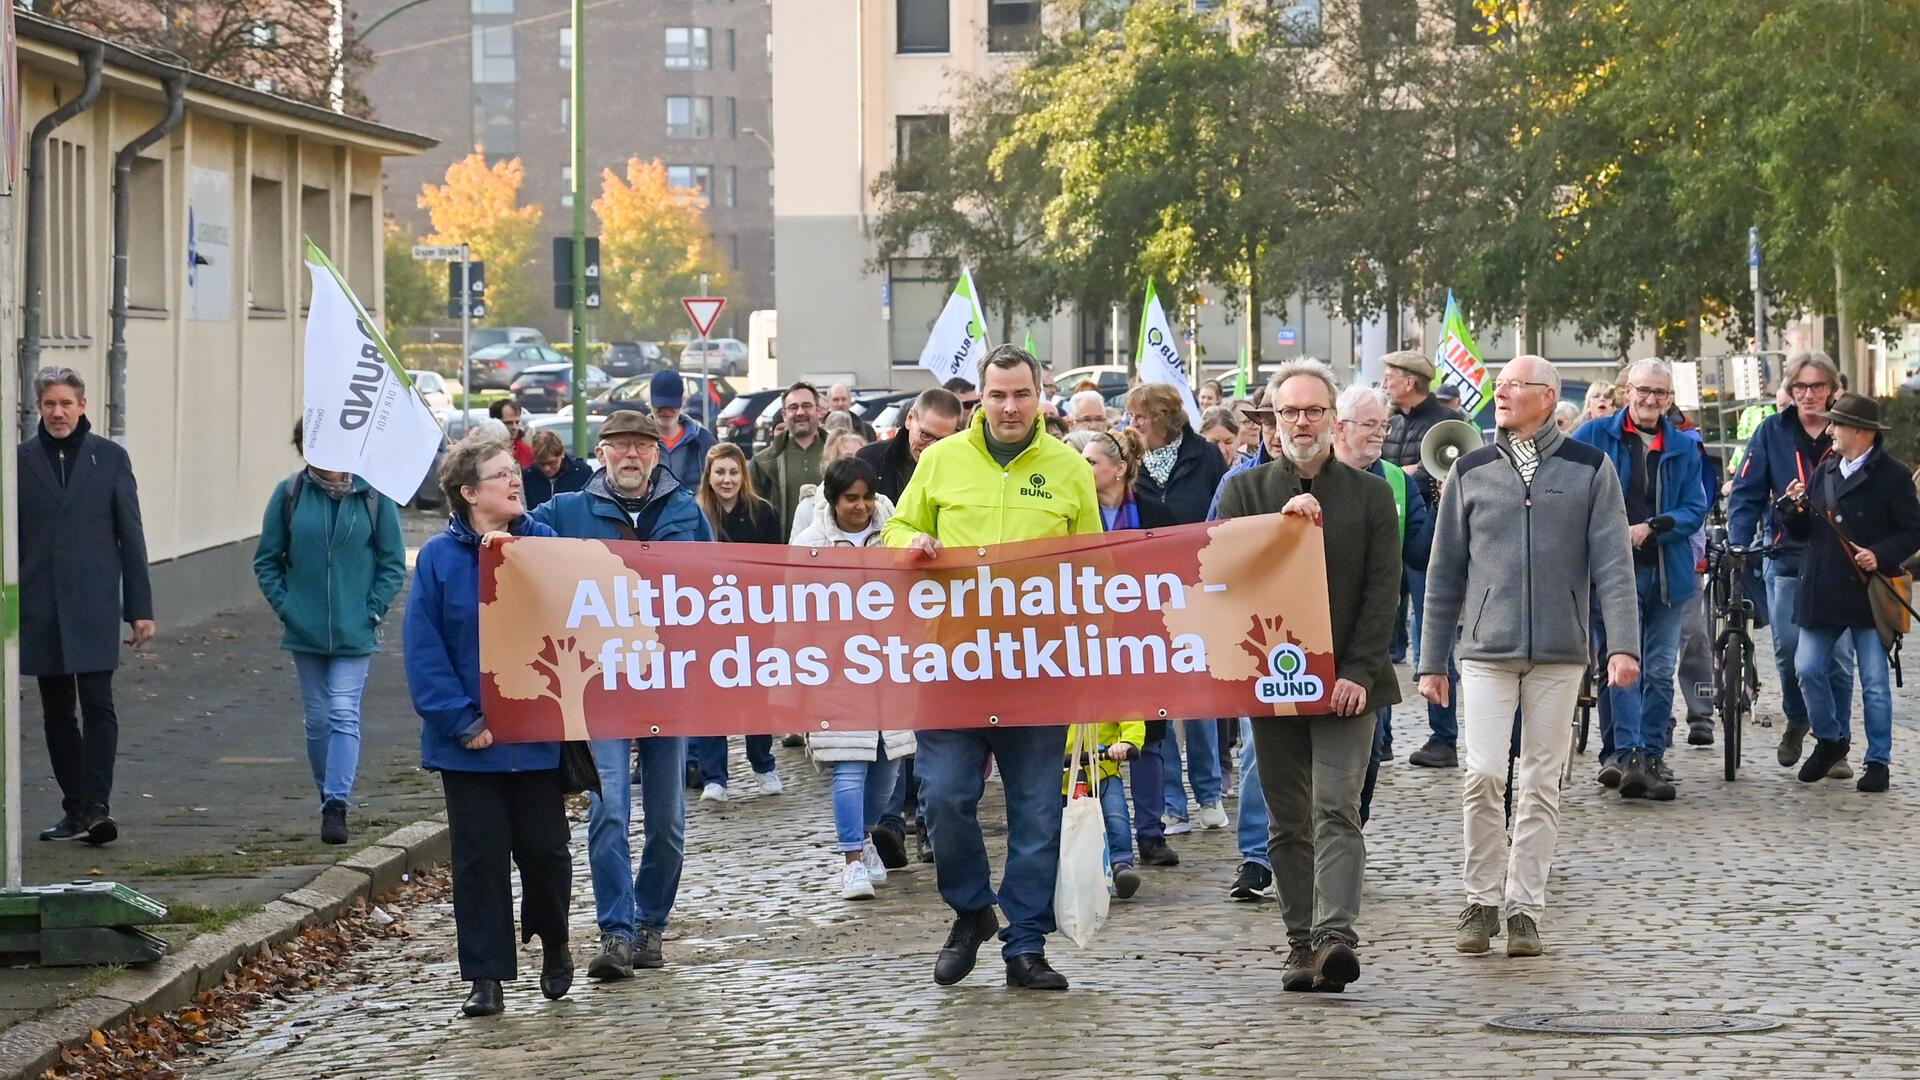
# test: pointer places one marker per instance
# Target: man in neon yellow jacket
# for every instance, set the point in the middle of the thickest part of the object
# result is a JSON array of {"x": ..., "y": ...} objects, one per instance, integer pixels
[{"x": 1006, "y": 479}]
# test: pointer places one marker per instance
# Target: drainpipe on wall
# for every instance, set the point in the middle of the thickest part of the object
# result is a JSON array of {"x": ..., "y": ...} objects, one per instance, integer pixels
[
  {"x": 34, "y": 277},
  {"x": 122, "y": 225}
]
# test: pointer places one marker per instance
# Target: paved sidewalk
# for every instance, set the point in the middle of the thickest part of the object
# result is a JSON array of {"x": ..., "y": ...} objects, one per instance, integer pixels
[
  {"x": 1763, "y": 896},
  {"x": 212, "y": 792}
]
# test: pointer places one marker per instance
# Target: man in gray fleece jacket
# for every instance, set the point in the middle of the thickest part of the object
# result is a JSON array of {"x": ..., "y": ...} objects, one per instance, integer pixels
[{"x": 1527, "y": 531}]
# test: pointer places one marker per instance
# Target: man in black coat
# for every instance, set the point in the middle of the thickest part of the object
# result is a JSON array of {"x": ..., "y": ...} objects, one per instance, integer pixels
[
  {"x": 936, "y": 414},
  {"x": 83, "y": 571},
  {"x": 1858, "y": 514}
]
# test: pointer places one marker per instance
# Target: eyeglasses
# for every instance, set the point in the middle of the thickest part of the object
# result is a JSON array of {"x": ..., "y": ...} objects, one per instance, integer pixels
[
  {"x": 1652, "y": 393},
  {"x": 1515, "y": 385},
  {"x": 1313, "y": 414},
  {"x": 628, "y": 447},
  {"x": 503, "y": 474},
  {"x": 1808, "y": 387},
  {"x": 1366, "y": 425}
]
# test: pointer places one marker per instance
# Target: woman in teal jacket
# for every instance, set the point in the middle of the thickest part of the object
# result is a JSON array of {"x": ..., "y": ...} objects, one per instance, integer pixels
[{"x": 330, "y": 560}]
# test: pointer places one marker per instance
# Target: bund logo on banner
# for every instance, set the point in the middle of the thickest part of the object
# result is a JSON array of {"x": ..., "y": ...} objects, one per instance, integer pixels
[{"x": 593, "y": 639}]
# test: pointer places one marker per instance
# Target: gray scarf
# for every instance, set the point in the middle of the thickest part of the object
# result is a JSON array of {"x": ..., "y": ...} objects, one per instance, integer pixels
[{"x": 335, "y": 489}]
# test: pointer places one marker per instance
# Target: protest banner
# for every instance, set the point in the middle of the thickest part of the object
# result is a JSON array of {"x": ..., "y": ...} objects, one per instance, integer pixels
[{"x": 614, "y": 639}]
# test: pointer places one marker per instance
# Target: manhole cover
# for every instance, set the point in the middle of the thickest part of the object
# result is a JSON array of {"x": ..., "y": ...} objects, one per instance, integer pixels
[{"x": 1632, "y": 1023}]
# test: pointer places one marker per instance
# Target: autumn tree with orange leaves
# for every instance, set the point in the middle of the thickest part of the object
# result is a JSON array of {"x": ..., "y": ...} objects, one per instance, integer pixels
[
  {"x": 654, "y": 246},
  {"x": 479, "y": 205}
]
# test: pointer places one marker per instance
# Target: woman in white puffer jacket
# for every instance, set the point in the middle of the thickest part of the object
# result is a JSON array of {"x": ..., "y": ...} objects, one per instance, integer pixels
[{"x": 866, "y": 764}]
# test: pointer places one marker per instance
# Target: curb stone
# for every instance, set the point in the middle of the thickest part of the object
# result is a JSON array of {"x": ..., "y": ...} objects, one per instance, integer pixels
[{"x": 29, "y": 1048}]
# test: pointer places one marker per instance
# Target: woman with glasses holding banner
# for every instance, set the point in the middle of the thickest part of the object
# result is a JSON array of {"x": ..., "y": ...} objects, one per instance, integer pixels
[{"x": 504, "y": 801}]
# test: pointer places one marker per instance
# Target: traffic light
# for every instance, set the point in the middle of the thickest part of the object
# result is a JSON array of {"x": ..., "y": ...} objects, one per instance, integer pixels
[
  {"x": 563, "y": 273},
  {"x": 476, "y": 293}
]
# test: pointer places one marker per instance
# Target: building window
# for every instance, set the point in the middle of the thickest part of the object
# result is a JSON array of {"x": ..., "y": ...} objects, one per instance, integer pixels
[
  {"x": 733, "y": 118},
  {"x": 689, "y": 48},
  {"x": 363, "y": 247},
  {"x": 263, "y": 34},
  {"x": 919, "y": 295},
  {"x": 733, "y": 251},
  {"x": 147, "y": 245},
  {"x": 1013, "y": 25},
  {"x": 915, "y": 139},
  {"x": 1389, "y": 22},
  {"x": 566, "y": 185},
  {"x": 566, "y": 49},
  {"x": 1300, "y": 20},
  {"x": 69, "y": 281},
  {"x": 695, "y": 178},
  {"x": 316, "y": 220},
  {"x": 730, "y": 54},
  {"x": 733, "y": 186},
  {"x": 923, "y": 26},
  {"x": 566, "y": 112},
  {"x": 493, "y": 54},
  {"x": 494, "y": 127},
  {"x": 493, "y": 7},
  {"x": 266, "y": 269},
  {"x": 689, "y": 117}
]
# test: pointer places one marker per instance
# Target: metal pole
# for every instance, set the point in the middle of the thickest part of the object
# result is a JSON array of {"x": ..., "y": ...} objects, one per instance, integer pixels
[
  {"x": 706, "y": 358},
  {"x": 1759, "y": 298},
  {"x": 578, "y": 135},
  {"x": 9, "y": 590},
  {"x": 466, "y": 332}
]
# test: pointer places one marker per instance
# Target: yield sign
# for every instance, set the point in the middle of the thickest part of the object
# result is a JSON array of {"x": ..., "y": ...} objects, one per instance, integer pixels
[{"x": 704, "y": 311}]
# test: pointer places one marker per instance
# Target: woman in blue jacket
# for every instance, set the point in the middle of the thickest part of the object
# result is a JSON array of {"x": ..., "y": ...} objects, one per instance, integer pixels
[
  {"x": 330, "y": 560},
  {"x": 504, "y": 800}
]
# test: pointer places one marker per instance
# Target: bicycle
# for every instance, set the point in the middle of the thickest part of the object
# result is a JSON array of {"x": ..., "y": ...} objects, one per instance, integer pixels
[{"x": 1736, "y": 675}]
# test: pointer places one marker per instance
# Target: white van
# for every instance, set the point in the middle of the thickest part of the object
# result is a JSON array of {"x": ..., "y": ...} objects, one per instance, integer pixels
[{"x": 763, "y": 357}]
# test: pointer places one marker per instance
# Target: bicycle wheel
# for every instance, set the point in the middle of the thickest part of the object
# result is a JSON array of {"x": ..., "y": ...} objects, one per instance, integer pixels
[
  {"x": 1734, "y": 703},
  {"x": 1583, "y": 712}
]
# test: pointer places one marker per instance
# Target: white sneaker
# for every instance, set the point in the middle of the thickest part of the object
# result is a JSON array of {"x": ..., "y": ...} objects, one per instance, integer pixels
[
  {"x": 854, "y": 882},
  {"x": 1174, "y": 826},
  {"x": 714, "y": 793},
  {"x": 870, "y": 858},
  {"x": 1213, "y": 816},
  {"x": 769, "y": 782}
]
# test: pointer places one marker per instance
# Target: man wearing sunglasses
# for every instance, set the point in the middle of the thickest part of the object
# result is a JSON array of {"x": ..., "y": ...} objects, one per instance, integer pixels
[
  {"x": 1785, "y": 448},
  {"x": 1659, "y": 470}
]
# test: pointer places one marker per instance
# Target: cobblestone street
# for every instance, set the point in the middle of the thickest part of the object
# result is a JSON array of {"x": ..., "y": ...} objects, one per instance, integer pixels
[{"x": 1762, "y": 896}]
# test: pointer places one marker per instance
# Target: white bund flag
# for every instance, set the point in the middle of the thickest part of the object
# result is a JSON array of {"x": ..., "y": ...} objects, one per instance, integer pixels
[
  {"x": 959, "y": 339},
  {"x": 362, "y": 414},
  {"x": 1158, "y": 359}
]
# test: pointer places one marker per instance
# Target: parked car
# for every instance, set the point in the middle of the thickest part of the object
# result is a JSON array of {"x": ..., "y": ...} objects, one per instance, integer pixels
[
  {"x": 628, "y": 358},
  {"x": 868, "y": 404},
  {"x": 481, "y": 337},
  {"x": 1109, "y": 378},
  {"x": 723, "y": 356},
  {"x": 736, "y": 422},
  {"x": 563, "y": 427},
  {"x": 887, "y": 424},
  {"x": 454, "y": 421},
  {"x": 545, "y": 388},
  {"x": 704, "y": 397},
  {"x": 496, "y": 366},
  {"x": 433, "y": 388},
  {"x": 765, "y": 423}
]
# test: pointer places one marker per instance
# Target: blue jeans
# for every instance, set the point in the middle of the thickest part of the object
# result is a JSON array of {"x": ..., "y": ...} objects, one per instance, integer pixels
[
  {"x": 1203, "y": 766},
  {"x": 1417, "y": 604},
  {"x": 1113, "y": 807},
  {"x": 1782, "y": 590},
  {"x": 1150, "y": 785},
  {"x": 1822, "y": 655},
  {"x": 861, "y": 790},
  {"x": 709, "y": 754},
  {"x": 621, "y": 899},
  {"x": 1253, "y": 802},
  {"x": 330, "y": 689},
  {"x": 1643, "y": 712},
  {"x": 1382, "y": 721},
  {"x": 952, "y": 770}
]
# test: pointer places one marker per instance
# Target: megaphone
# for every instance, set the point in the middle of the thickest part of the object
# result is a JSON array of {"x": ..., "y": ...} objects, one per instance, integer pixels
[{"x": 1443, "y": 445}]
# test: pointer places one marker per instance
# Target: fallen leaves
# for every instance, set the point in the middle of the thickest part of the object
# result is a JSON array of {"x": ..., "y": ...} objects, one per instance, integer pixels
[{"x": 159, "y": 1045}]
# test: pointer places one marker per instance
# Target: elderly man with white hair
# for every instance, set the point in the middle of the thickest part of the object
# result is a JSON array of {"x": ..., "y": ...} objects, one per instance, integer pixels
[
  {"x": 1528, "y": 529},
  {"x": 840, "y": 399},
  {"x": 1659, "y": 468},
  {"x": 1087, "y": 411}
]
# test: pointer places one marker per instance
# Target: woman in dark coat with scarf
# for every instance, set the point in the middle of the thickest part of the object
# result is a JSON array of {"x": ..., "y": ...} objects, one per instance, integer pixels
[{"x": 505, "y": 803}]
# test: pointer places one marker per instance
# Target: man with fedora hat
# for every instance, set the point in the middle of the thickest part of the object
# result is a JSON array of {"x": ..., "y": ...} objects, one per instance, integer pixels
[
  {"x": 1859, "y": 518},
  {"x": 633, "y": 497}
]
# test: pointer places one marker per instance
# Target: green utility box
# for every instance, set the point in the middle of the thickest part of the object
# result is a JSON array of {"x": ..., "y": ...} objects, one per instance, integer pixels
[{"x": 80, "y": 922}]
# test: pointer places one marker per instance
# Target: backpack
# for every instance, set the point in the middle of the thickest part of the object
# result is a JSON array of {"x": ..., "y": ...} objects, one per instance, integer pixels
[{"x": 293, "y": 485}]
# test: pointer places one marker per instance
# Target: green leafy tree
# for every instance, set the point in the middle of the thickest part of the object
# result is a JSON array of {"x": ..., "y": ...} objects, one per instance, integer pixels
[{"x": 415, "y": 294}]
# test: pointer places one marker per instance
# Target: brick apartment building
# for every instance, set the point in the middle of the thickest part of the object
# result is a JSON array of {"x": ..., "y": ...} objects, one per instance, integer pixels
[{"x": 688, "y": 82}]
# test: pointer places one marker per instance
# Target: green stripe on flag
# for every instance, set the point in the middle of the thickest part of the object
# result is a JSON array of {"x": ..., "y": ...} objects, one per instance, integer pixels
[{"x": 319, "y": 258}]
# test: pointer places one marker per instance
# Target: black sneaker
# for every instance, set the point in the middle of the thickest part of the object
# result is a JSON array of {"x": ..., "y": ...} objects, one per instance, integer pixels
[
  {"x": 1661, "y": 769},
  {"x": 1790, "y": 742},
  {"x": 1640, "y": 779},
  {"x": 615, "y": 960},
  {"x": 793, "y": 740},
  {"x": 648, "y": 950},
  {"x": 1435, "y": 755},
  {"x": 1252, "y": 881},
  {"x": 64, "y": 829},
  {"x": 922, "y": 843},
  {"x": 1824, "y": 754},
  {"x": 891, "y": 842},
  {"x": 1610, "y": 772},
  {"x": 1699, "y": 731},
  {"x": 333, "y": 822},
  {"x": 1126, "y": 881},
  {"x": 1154, "y": 851},
  {"x": 970, "y": 930},
  {"x": 1874, "y": 779},
  {"x": 1030, "y": 971},
  {"x": 98, "y": 826}
]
